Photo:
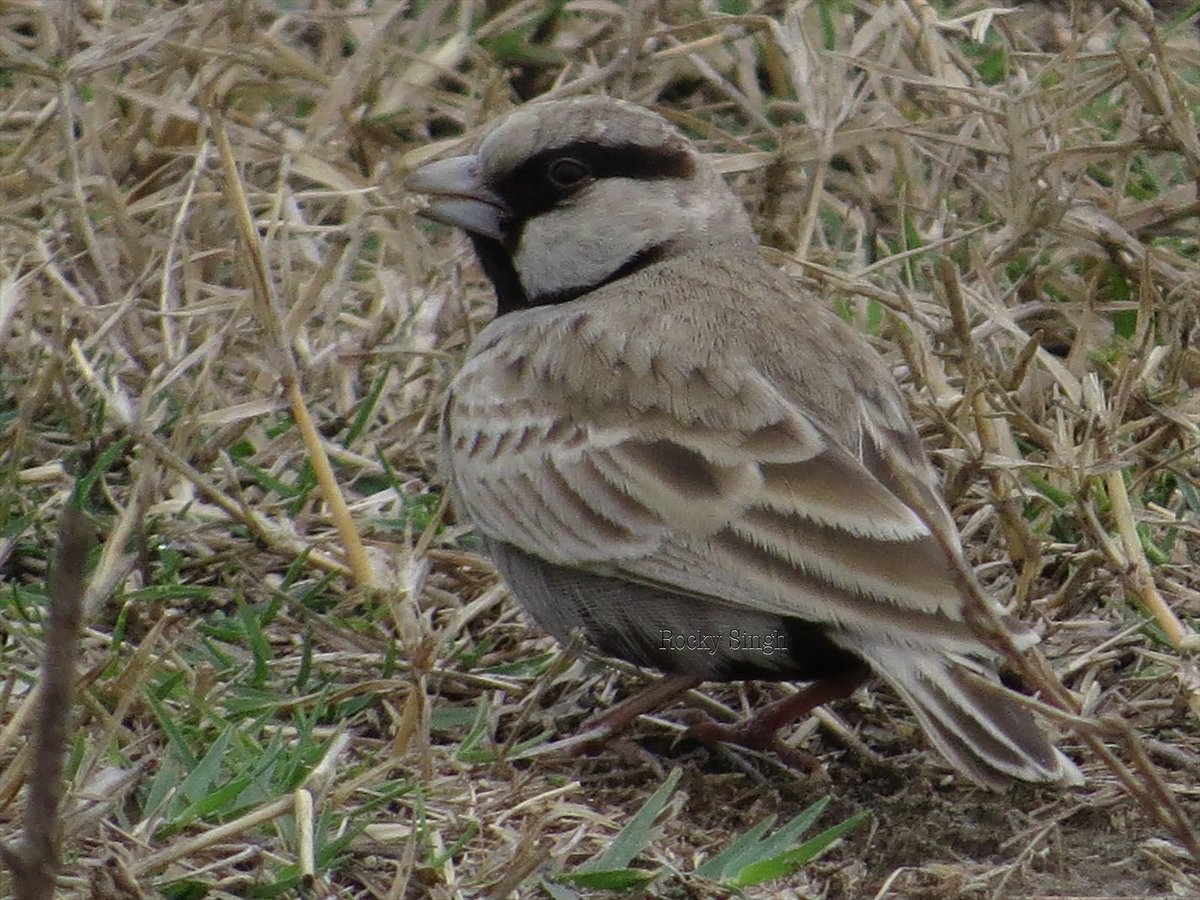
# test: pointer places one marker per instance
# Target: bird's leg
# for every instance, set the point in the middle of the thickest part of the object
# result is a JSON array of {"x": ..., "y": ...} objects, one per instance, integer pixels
[
  {"x": 761, "y": 730},
  {"x": 605, "y": 729},
  {"x": 655, "y": 696}
]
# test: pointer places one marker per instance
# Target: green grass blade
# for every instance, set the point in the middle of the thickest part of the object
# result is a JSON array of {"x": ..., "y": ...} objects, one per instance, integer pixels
[
  {"x": 752, "y": 847},
  {"x": 635, "y": 836},
  {"x": 785, "y": 863}
]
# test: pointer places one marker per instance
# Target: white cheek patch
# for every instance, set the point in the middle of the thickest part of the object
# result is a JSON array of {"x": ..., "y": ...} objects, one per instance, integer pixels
[
  {"x": 551, "y": 258},
  {"x": 573, "y": 248}
]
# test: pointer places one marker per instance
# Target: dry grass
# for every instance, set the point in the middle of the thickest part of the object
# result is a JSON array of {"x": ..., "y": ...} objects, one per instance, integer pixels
[{"x": 202, "y": 237}]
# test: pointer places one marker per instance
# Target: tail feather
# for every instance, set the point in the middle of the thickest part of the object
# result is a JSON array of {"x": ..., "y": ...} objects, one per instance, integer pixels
[{"x": 976, "y": 723}]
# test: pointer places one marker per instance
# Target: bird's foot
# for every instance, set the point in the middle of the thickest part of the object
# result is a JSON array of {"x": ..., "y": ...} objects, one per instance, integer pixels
[{"x": 753, "y": 735}]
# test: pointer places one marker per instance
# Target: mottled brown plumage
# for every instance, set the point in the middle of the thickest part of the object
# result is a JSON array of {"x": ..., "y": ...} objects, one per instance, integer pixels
[{"x": 662, "y": 439}]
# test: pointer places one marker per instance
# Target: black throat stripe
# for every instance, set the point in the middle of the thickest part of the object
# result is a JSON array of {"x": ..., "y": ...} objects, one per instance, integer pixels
[
  {"x": 635, "y": 263},
  {"x": 496, "y": 262},
  {"x": 497, "y": 265},
  {"x": 528, "y": 191}
]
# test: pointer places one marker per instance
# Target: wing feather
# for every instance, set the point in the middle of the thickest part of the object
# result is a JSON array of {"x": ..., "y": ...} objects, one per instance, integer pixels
[{"x": 764, "y": 512}]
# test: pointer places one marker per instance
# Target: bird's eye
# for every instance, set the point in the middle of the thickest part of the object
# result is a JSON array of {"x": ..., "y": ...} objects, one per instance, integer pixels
[{"x": 567, "y": 172}]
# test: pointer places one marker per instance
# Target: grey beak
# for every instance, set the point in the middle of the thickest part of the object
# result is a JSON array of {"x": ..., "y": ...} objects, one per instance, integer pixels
[{"x": 458, "y": 196}]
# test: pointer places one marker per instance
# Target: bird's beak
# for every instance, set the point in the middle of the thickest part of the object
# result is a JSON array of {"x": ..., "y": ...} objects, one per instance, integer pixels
[{"x": 458, "y": 196}]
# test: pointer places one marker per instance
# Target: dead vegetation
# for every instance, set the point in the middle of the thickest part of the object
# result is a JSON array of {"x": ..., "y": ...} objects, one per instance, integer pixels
[{"x": 203, "y": 241}]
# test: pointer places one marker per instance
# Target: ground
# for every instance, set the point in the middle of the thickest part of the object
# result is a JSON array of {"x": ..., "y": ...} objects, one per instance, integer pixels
[{"x": 205, "y": 245}]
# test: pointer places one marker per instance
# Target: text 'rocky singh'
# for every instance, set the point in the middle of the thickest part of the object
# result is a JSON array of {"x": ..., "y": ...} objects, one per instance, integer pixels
[{"x": 736, "y": 640}]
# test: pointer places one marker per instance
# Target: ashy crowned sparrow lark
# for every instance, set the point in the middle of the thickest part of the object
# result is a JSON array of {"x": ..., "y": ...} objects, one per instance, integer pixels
[{"x": 670, "y": 448}]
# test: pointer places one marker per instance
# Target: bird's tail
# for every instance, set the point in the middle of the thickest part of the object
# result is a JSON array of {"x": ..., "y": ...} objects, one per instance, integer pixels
[{"x": 976, "y": 723}]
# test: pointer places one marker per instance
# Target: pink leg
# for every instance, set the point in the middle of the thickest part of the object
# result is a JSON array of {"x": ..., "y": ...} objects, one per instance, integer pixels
[
  {"x": 761, "y": 730},
  {"x": 655, "y": 696},
  {"x": 605, "y": 729}
]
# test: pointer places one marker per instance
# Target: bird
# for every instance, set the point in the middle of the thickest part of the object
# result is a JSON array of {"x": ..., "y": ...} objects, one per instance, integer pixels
[{"x": 673, "y": 454}]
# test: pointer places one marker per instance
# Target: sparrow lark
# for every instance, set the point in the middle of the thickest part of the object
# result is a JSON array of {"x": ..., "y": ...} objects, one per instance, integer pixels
[{"x": 671, "y": 449}]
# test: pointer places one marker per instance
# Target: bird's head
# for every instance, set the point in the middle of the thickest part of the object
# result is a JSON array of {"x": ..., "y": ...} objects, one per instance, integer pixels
[{"x": 564, "y": 196}]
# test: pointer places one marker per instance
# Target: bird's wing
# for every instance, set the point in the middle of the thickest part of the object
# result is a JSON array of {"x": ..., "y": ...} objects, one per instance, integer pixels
[{"x": 713, "y": 483}]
